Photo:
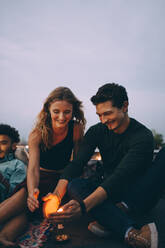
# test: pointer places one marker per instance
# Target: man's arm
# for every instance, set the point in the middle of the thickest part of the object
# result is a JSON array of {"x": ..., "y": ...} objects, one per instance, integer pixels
[
  {"x": 96, "y": 198},
  {"x": 135, "y": 162},
  {"x": 86, "y": 150},
  {"x": 72, "y": 209}
]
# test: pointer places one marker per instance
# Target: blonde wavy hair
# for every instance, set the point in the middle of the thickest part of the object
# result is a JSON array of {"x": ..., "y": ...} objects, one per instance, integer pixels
[{"x": 44, "y": 124}]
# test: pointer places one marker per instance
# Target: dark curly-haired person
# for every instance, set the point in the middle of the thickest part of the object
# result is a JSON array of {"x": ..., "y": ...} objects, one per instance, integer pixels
[
  {"x": 132, "y": 182},
  {"x": 12, "y": 170}
]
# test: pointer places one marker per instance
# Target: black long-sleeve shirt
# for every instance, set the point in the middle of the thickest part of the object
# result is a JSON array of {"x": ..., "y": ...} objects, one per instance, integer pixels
[{"x": 125, "y": 156}]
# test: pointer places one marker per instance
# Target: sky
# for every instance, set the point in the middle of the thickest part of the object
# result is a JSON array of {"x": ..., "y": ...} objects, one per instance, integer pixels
[{"x": 81, "y": 44}]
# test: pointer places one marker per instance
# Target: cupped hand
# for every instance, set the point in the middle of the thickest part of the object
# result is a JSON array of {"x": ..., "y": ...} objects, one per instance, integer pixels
[
  {"x": 70, "y": 211},
  {"x": 32, "y": 200},
  {"x": 51, "y": 204}
]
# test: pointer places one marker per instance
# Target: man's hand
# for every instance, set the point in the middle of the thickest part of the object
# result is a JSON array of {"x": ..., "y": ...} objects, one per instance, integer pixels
[
  {"x": 71, "y": 210},
  {"x": 32, "y": 200},
  {"x": 51, "y": 204}
]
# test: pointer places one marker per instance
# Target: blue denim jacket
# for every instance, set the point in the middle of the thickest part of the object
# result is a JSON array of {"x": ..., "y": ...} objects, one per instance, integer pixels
[{"x": 12, "y": 173}]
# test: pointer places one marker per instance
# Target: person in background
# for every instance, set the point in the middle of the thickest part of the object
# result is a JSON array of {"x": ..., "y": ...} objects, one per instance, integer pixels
[
  {"x": 132, "y": 183},
  {"x": 12, "y": 170},
  {"x": 55, "y": 138}
]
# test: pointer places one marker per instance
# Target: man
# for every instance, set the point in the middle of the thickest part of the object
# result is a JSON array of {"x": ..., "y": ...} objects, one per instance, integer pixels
[
  {"x": 131, "y": 184},
  {"x": 12, "y": 170}
]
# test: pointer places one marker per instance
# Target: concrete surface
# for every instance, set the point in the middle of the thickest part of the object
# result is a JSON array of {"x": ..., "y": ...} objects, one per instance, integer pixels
[{"x": 82, "y": 238}]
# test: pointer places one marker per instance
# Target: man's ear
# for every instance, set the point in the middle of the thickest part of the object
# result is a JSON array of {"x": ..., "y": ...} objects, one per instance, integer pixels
[
  {"x": 14, "y": 146},
  {"x": 125, "y": 106}
]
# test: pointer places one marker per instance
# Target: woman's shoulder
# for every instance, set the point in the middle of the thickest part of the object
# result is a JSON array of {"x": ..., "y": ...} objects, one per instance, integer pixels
[{"x": 35, "y": 136}]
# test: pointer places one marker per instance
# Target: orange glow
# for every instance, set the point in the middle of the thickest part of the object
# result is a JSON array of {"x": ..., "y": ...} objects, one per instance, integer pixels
[
  {"x": 98, "y": 157},
  {"x": 51, "y": 204}
]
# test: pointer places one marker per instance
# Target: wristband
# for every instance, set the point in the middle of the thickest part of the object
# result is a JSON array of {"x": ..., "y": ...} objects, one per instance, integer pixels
[{"x": 82, "y": 205}]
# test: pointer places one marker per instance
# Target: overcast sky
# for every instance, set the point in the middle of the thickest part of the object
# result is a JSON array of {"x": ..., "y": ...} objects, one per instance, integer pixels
[{"x": 81, "y": 44}]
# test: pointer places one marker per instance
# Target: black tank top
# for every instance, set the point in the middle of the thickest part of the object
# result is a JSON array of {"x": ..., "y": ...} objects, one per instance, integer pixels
[{"x": 58, "y": 156}]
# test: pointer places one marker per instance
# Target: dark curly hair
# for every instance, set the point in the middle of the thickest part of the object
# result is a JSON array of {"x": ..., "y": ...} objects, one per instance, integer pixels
[
  {"x": 11, "y": 132},
  {"x": 110, "y": 92}
]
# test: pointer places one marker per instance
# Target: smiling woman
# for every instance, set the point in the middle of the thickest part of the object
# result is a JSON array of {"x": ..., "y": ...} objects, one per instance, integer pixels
[
  {"x": 61, "y": 113},
  {"x": 56, "y": 136}
]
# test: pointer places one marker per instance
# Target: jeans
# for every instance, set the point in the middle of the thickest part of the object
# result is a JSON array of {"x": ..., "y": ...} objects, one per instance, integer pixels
[{"x": 140, "y": 198}]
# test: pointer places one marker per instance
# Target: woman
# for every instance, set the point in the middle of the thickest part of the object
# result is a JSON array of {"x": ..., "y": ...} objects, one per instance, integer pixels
[{"x": 56, "y": 136}]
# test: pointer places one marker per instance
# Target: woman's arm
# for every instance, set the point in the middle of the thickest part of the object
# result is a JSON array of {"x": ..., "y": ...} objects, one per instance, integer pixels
[
  {"x": 33, "y": 172},
  {"x": 61, "y": 188}
]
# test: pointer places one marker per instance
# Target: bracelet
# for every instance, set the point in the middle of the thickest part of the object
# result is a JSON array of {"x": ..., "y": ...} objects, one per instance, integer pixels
[{"x": 82, "y": 205}]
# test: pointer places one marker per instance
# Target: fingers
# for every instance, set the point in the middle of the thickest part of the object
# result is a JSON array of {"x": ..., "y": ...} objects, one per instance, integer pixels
[
  {"x": 32, "y": 201},
  {"x": 32, "y": 204},
  {"x": 47, "y": 197},
  {"x": 71, "y": 210},
  {"x": 68, "y": 205},
  {"x": 51, "y": 204},
  {"x": 68, "y": 208}
]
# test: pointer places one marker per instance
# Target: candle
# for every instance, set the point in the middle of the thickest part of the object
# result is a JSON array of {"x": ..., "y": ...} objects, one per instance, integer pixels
[{"x": 51, "y": 205}]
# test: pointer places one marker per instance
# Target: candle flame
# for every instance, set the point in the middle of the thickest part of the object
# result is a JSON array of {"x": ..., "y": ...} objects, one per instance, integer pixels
[{"x": 60, "y": 210}]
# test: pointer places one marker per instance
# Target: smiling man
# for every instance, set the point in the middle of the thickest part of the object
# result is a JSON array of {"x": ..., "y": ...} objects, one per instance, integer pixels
[
  {"x": 114, "y": 118},
  {"x": 12, "y": 170},
  {"x": 131, "y": 182}
]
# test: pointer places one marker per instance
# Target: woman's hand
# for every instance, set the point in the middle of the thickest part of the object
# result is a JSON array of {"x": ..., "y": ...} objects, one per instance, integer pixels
[
  {"x": 32, "y": 200},
  {"x": 70, "y": 211},
  {"x": 51, "y": 204}
]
